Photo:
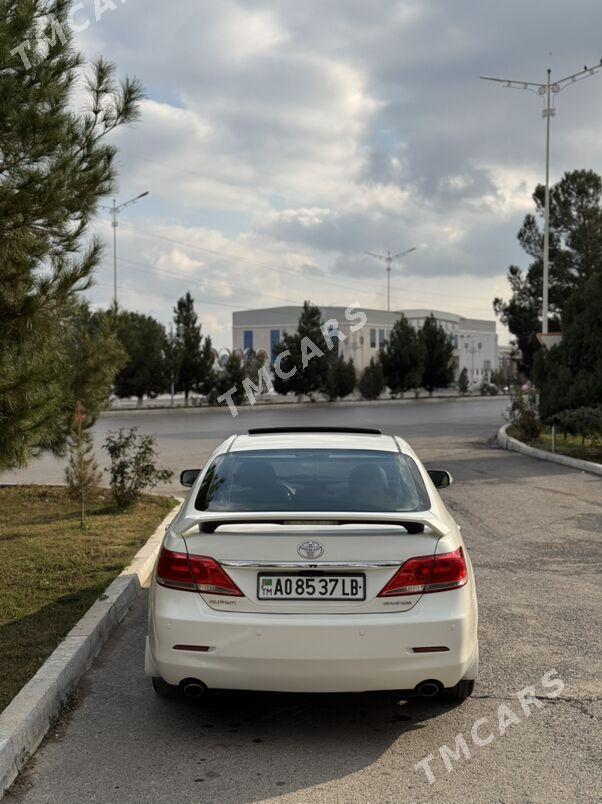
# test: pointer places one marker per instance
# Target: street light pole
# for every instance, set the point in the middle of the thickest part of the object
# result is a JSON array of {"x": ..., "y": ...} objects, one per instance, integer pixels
[
  {"x": 472, "y": 351},
  {"x": 172, "y": 339},
  {"x": 547, "y": 90},
  {"x": 546, "y": 232},
  {"x": 389, "y": 259},
  {"x": 173, "y": 368},
  {"x": 115, "y": 210},
  {"x": 114, "y": 225}
]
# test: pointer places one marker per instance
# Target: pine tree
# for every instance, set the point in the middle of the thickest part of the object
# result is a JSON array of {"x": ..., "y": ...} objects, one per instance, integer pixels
[
  {"x": 575, "y": 255},
  {"x": 402, "y": 358},
  {"x": 195, "y": 352},
  {"x": 54, "y": 168},
  {"x": 253, "y": 365},
  {"x": 372, "y": 382},
  {"x": 147, "y": 371},
  {"x": 94, "y": 356},
  {"x": 569, "y": 375},
  {"x": 438, "y": 371},
  {"x": 309, "y": 343},
  {"x": 341, "y": 380},
  {"x": 231, "y": 376},
  {"x": 82, "y": 473}
]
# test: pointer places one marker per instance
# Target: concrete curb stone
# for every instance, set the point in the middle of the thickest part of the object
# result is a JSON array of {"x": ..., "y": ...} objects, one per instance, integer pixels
[{"x": 507, "y": 442}]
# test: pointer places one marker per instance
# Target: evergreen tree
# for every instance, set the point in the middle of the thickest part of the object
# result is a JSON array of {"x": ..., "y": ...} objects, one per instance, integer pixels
[
  {"x": 194, "y": 352},
  {"x": 575, "y": 255},
  {"x": 252, "y": 366},
  {"x": 173, "y": 358},
  {"x": 82, "y": 473},
  {"x": 569, "y": 375},
  {"x": 438, "y": 370},
  {"x": 341, "y": 379},
  {"x": 307, "y": 345},
  {"x": 146, "y": 372},
  {"x": 463, "y": 383},
  {"x": 231, "y": 376},
  {"x": 402, "y": 358},
  {"x": 54, "y": 168},
  {"x": 94, "y": 356},
  {"x": 372, "y": 382}
]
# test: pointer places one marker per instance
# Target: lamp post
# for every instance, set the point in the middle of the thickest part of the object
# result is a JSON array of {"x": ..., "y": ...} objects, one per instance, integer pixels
[
  {"x": 389, "y": 259},
  {"x": 115, "y": 209},
  {"x": 172, "y": 355},
  {"x": 472, "y": 351},
  {"x": 547, "y": 90}
]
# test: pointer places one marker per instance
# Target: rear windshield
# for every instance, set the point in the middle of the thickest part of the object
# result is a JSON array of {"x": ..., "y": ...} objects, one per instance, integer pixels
[{"x": 312, "y": 480}]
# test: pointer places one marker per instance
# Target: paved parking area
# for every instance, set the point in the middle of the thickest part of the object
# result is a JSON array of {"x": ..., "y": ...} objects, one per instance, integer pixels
[{"x": 533, "y": 530}]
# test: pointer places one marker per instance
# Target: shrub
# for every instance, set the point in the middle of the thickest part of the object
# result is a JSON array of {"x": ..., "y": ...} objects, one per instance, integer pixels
[
  {"x": 488, "y": 388},
  {"x": 133, "y": 465},
  {"x": 584, "y": 422},
  {"x": 524, "y": 413},
  {"x": 372, "y": 381}
]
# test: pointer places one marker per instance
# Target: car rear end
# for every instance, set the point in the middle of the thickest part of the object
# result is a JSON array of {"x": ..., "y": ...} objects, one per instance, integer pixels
[{"x": 327, "y": 600}]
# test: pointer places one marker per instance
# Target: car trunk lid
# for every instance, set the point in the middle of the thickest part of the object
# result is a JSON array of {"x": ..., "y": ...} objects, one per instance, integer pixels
[{"x": 368, "y": 549}]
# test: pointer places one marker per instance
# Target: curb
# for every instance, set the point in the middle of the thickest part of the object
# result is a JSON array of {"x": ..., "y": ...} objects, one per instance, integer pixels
[
  {"x": 109, "y": 412},
  {"x": 27, "y": 718},
  {"x": 507, "y": 442}
]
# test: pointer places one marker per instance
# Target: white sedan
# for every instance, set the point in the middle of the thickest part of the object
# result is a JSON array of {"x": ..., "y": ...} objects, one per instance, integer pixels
[{"x": 313, "y": 560}]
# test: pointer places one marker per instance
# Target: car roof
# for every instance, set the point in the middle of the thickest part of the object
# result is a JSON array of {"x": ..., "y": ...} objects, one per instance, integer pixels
[{"x": 316, "y": 440}]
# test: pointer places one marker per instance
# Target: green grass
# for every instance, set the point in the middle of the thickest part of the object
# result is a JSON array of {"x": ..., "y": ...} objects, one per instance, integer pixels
[
  {"x": 51, "y": 571},
  {"x": 571, "y": 445}
]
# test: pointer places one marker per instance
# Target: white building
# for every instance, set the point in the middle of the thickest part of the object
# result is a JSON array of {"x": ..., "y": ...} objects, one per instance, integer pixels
[{"x": 475, "y": 340}]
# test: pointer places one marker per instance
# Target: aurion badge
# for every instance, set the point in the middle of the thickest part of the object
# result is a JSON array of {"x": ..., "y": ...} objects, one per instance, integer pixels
[{"x": 310, "y": 550}]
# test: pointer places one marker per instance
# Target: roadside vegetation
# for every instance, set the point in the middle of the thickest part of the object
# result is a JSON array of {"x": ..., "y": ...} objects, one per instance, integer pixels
[
  {"x": 563, "y": 383},
  {"x": 570, "y": 445},
  {"x": 52, "y": 571},
  {"x": 56, "y": 164},
  {"x": 59, "y": 360}
]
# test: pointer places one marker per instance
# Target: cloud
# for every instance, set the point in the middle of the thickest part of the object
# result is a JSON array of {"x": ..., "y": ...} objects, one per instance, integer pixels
[{"x": 288, "y": 138}]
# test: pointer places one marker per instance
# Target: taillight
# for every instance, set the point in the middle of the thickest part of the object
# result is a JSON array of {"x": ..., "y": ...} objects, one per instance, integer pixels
[
  {"x": 428, "y": 574},
  {"x": 194, "y": 574}
]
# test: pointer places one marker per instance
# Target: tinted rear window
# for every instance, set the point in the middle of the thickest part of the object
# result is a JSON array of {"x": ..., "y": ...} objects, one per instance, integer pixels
[{"x": 313, "y": 480}]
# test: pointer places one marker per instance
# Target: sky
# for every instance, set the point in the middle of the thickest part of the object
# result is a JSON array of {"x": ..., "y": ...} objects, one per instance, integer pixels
[{"x": 280, "y": 140}]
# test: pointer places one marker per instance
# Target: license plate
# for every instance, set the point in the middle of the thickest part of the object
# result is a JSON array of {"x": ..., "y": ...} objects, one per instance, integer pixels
[{"x": 311, "y": 587}]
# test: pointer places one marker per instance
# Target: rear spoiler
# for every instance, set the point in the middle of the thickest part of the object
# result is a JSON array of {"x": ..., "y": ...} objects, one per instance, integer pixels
[{"x": 209, "y": 522}]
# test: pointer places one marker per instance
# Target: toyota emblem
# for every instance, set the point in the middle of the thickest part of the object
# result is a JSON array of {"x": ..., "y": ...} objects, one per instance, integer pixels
[{"x": 310, "y": 550}]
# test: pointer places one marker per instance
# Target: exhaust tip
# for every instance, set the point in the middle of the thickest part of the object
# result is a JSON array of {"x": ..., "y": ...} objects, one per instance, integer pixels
[
  {"x": 193, "y": 688},
  {"x": 429, "y": 689}
]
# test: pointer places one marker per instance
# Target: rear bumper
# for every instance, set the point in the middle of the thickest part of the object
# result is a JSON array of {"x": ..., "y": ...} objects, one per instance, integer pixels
[{"x": 312, "y": 653}]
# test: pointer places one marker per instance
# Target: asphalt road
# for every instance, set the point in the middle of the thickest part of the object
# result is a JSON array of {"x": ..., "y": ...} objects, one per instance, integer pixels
[
  {"x": 186, "y": 437},
  {"x": 533, "y": 532}
]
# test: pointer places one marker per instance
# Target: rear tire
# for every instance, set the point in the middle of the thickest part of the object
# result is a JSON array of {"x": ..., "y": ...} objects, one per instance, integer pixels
[
  {"x": 165, "y": 690},
  {"x": 461, "y": 691}
]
